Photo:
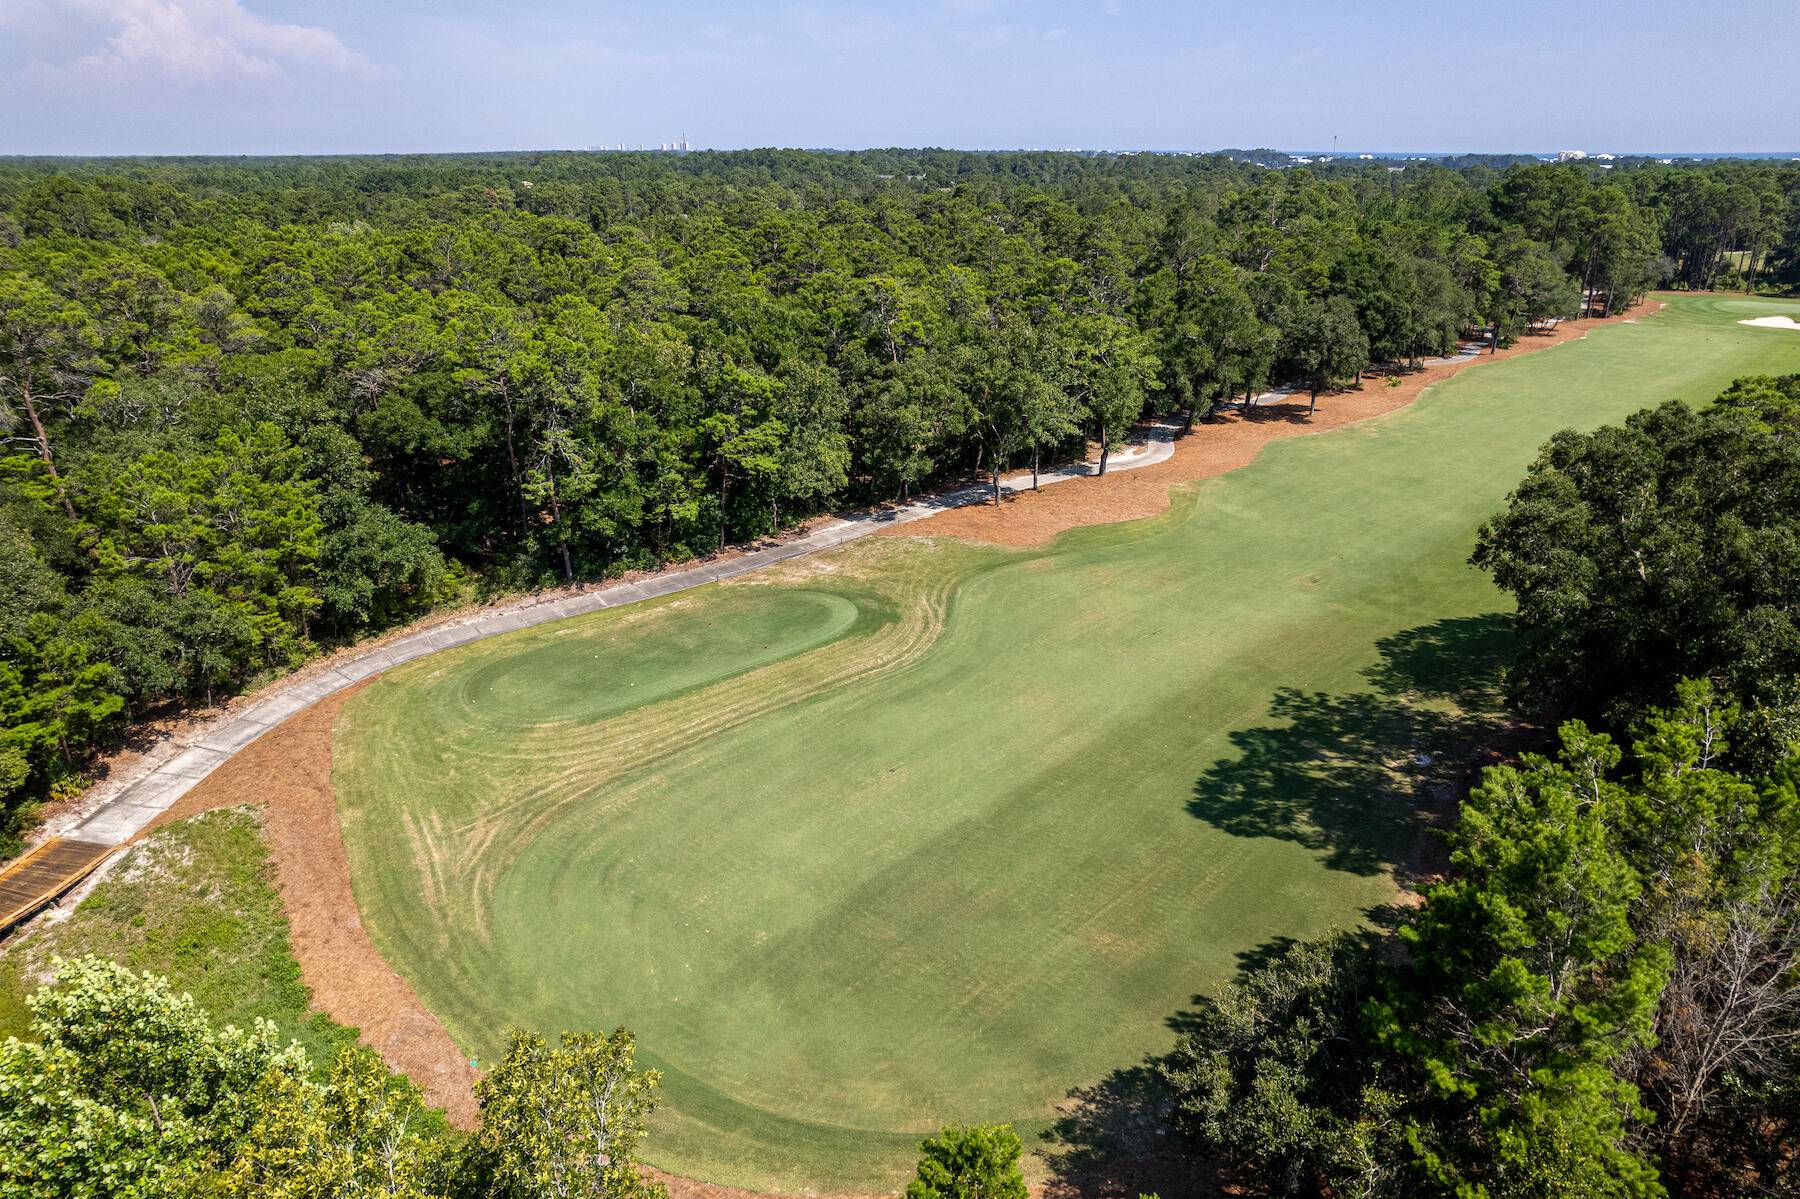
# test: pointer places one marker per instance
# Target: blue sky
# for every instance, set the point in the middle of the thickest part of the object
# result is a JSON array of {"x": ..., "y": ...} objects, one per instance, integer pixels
[{"x": 313, "y": 76}]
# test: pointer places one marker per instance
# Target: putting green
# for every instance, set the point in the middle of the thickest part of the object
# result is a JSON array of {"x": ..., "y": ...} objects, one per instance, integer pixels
[{"x": 919, "y": 831}]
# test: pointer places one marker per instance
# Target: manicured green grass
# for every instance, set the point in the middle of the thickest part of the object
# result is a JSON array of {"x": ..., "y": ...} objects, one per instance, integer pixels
[
  {"x": 920, "y": 831},
  {"x": 194, "y": 902}
]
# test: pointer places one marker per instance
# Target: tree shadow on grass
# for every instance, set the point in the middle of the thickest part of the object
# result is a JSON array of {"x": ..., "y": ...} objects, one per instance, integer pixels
[
  {"x": 1360, "y": 777},
  {"x": 1121, "y": 1117},
  {"x": 1112, "y": 1140},
  {"x": 1459, "y": 660}
]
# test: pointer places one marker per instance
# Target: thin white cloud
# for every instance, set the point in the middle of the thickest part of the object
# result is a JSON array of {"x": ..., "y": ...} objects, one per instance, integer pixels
[{"x": 201, "y": 41}]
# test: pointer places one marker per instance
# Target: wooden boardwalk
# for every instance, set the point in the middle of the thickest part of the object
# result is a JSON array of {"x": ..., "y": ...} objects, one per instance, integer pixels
[{"x": 45, "y": 873}]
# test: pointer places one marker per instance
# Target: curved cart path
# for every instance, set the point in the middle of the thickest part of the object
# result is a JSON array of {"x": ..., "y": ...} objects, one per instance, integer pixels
[
  {"x": 123, "y": 806},
  {"x": 146, "y": 789}
]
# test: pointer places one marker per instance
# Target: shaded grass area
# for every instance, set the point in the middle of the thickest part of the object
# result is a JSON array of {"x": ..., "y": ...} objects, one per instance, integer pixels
[
  {"x": 938, "y": 832},
  {"x": 195, "y": 902},
  {"x": 1305, "y": 776},
  {"x": 1309, "y": 774}
]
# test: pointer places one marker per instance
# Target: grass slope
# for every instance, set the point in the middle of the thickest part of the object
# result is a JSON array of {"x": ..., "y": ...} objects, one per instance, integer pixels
[
  {"x": 922, "y": 831},
  {"x": 195, "y": 902}
]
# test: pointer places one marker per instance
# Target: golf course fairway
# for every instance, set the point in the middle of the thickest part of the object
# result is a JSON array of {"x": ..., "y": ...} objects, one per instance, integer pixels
[{"x": 919, "y": 831}]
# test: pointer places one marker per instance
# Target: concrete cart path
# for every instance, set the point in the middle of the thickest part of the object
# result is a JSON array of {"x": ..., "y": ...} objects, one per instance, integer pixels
[
  {"x": 148, "y": 787},
  {"x": 124, "y": 805}
]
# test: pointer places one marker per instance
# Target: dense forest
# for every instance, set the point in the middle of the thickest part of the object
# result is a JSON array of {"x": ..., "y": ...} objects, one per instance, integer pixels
[{"x": 254, "y": 408}]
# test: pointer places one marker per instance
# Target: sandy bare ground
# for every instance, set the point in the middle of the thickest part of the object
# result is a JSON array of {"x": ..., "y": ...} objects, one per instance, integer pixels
[
  {"x": 288, "y": 773},
  {"x": 1782, "y": 321},
  {"x": 288, "y": 770},
  {"x": 1233, "y": 440}
]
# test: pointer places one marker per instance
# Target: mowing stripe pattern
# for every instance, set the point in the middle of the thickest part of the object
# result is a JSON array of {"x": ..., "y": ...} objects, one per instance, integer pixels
[{"x": 921, "y": 831}]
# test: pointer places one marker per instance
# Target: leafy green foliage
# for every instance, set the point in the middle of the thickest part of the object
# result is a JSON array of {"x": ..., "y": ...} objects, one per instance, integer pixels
[
  {"x": 975, "y": 1161},
  {"x": 1327, "y": 343},
  {"x": 1527, "y": 987},
  {"x": 52, "y": 706},
  {"x": 1664, "y": 548},
  {"x": 1275, "y": 1078},
  {"x": 1719, "y": 857},
  {"x": 566, "y": 1120},
  {"x": 128, "y": 1088},
  {"x": 359, "y": 1131},
  {"x": 235, "y": 530}
]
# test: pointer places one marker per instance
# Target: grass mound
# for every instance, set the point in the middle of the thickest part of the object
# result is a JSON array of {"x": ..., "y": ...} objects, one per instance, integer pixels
[{"x": 195, "y": 902}]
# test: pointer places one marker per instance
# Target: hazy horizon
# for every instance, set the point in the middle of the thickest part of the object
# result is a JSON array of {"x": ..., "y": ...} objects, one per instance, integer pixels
[
  {"x": 271, "y": 77},
  {"x": 481, "y": 151}
]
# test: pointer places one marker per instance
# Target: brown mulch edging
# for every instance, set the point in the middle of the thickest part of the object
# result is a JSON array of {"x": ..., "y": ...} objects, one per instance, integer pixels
[
  {"x": 287, "y": 771},
  {"x": 1032, "y": 518}
]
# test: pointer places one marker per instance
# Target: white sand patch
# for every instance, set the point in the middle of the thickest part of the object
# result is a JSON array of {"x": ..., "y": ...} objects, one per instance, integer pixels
[{"x": 1773, "y": 322}]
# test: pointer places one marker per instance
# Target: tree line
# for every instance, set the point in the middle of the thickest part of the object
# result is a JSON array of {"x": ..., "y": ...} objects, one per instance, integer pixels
[
  {"x": 1602, "y": 998},
  {"x": 254, "y": 409}
]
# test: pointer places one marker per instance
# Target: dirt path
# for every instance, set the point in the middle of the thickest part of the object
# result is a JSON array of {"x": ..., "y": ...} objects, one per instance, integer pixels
[{"x": 1213, "y": 448}]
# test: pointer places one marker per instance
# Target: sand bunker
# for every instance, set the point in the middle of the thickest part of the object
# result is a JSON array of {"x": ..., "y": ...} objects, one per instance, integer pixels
[{"x": 1773, "y": 322}]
